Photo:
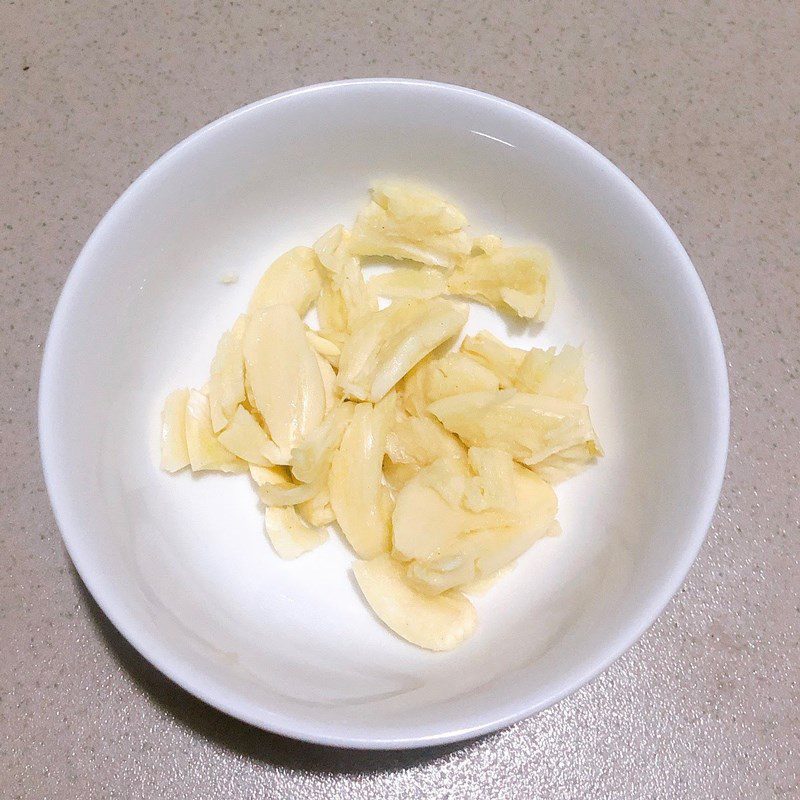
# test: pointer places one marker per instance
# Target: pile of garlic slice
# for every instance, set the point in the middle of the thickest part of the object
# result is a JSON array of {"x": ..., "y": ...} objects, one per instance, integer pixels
[{"x": 436, "y": 466}]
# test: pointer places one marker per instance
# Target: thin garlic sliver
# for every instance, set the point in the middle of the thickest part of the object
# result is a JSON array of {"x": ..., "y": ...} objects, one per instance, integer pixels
[
  {"x": 388, "y": 343},
  {"x": 359, "y": 498},
  {"x": 293, "y": 279},
  {"x": 289, "y": 534},
  {"x": 528, "y": 426},
  {"x": 435, "y": 623},
  {"x": 284, "y": 374},
  {"x": 408, "y": 282},
  {"x": 174, "y": 453}
]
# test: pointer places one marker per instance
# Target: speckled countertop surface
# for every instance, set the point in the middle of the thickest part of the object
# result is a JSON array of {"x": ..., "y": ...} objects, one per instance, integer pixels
[{"x": 699, "y": 104}]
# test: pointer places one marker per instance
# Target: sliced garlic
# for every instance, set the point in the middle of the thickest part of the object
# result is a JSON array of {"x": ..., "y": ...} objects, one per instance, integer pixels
[
  {"x": 284, "y": 374},
  {"x": 205, "y": 451},
  {"x": 498, "y": 357},
  {"x": 435, "y": 623},
  {"x": 454, "y": 373},
  {"x": 406, "y": 221},
  {"x": 174, "y": 453},
  {"x": 529, "y": 426},
  {"x": 388, "y": 343},
  {"x": 555, "y": 375},
  {"x": 515, "y": 278},
  {"x": 289, "y": 535},
  {"x": 293, "y": 279},
  {"x": 408, "y": 282},
  {"x": 344, "y": 300},
  {"x": 359, "y": 498},
  {"x": 311, "y": 460},
  {"x": 245, "y": 438},
  {"x": 317, "y": 511},
  {"x": 226, "y": 384}
]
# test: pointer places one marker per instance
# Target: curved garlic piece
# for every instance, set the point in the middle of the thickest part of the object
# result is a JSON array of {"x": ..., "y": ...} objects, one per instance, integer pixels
[
  {"x": 488, "y": 243},
  {"x": 515, "y": 278},
  {"x": 333, "y": 252},
  {"x": 406, "y": 221},
  {"x": 325, "y": 347},
  {"x": 359, "y": 499},
  {"x": 429, "y": 516},
  {"x": 388, "y": 343},
  {"x": 531, "y": 427},
  {"x": 287, "y": 493},
  {"x": 226, "y": 384},
  {"x": 317, "y": 511},
  {"x": 568, "y": 462},
  {"x": 454, "y": 373},
  {"x": 329, "y": 386},
  {"x": 271, "y": 475},
  {"x": 472, "y": 555},
  {"x": 420, "y": 441},
  {"x": 555, "y": 375},
  {"x": 344, "y": 299},
  {"x": 205, "y": 451},
  {"x": 245, "y": 438},
  {"x": 174, "y": 453},
  {"x": 408, "y": 282},
  {"x": 311, "y": 460},
  {"x": 293, "y": 279},
  {"x": 493, "y": 484},
  {"x": 435, "y": 623},
  {"x": 289, "y": 535},
  {"x": 284, "y": 375},
  {"x": 495, "y": 355}
]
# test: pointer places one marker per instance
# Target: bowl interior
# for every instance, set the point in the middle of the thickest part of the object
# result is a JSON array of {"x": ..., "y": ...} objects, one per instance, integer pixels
[{"x": 181, "y": 564}]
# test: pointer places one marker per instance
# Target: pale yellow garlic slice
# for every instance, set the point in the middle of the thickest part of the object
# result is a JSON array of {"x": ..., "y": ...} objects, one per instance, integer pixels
[
  {"x": 488, "y": 243},
  {"x": 293, "y": 279},
  {"x": 434, "y": 623},
  {"x": 495, "y": 355},
  {"x": 317, "y": 511},
  {"x": 470, "y": 555},
  {"x": 205, "y": 451},
  {"x": 420, "y": 441},
  {"x": 329, "y": 350},
  {"x": 454, "y": 373},
  {"x": 492, "y": 487},
  {"x": 388, "y": 343},
  {"x": 553, "y": 374},
  {"x": 429, "y": 515},
  {"x": 289, "y": 534},
  {"x": 284, "y": 374},
  {"x": 174, "y": 453},
  {"x": 288, "y": 493},
  {"x": 328, "y": 375},
  {"x": 408, "y": 282},
  {"x": 569, "y": 462},
  {"x": 530, "y": 427},
  {"x": 264, "y": 475},
  {"x": 407, "y": 221},
  {"x": 398, "y": 474},
  {"x": 245, "y": 438},
  {"x": 514, "y": 278},
  {"x": 344, "y": 299},
  {"x": 226, "y": 388},
  {"x": 359, "y": 498},
  {"x": 311, "y": 460}
]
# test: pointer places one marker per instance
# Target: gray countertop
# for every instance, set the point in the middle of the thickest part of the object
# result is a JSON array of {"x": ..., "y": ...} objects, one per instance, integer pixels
[{"x": 699, "y": 104}]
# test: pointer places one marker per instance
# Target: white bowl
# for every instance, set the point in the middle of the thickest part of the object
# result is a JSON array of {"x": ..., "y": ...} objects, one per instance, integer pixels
[{"x": 181, "y": 565}]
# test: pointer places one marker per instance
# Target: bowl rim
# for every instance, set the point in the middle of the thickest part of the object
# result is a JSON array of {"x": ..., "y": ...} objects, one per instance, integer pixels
[{"x": 176, "y": 668}]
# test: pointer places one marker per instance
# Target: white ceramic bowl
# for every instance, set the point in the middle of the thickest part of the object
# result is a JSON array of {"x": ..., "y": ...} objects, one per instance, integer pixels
[{"x": 180, "y": 564}]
